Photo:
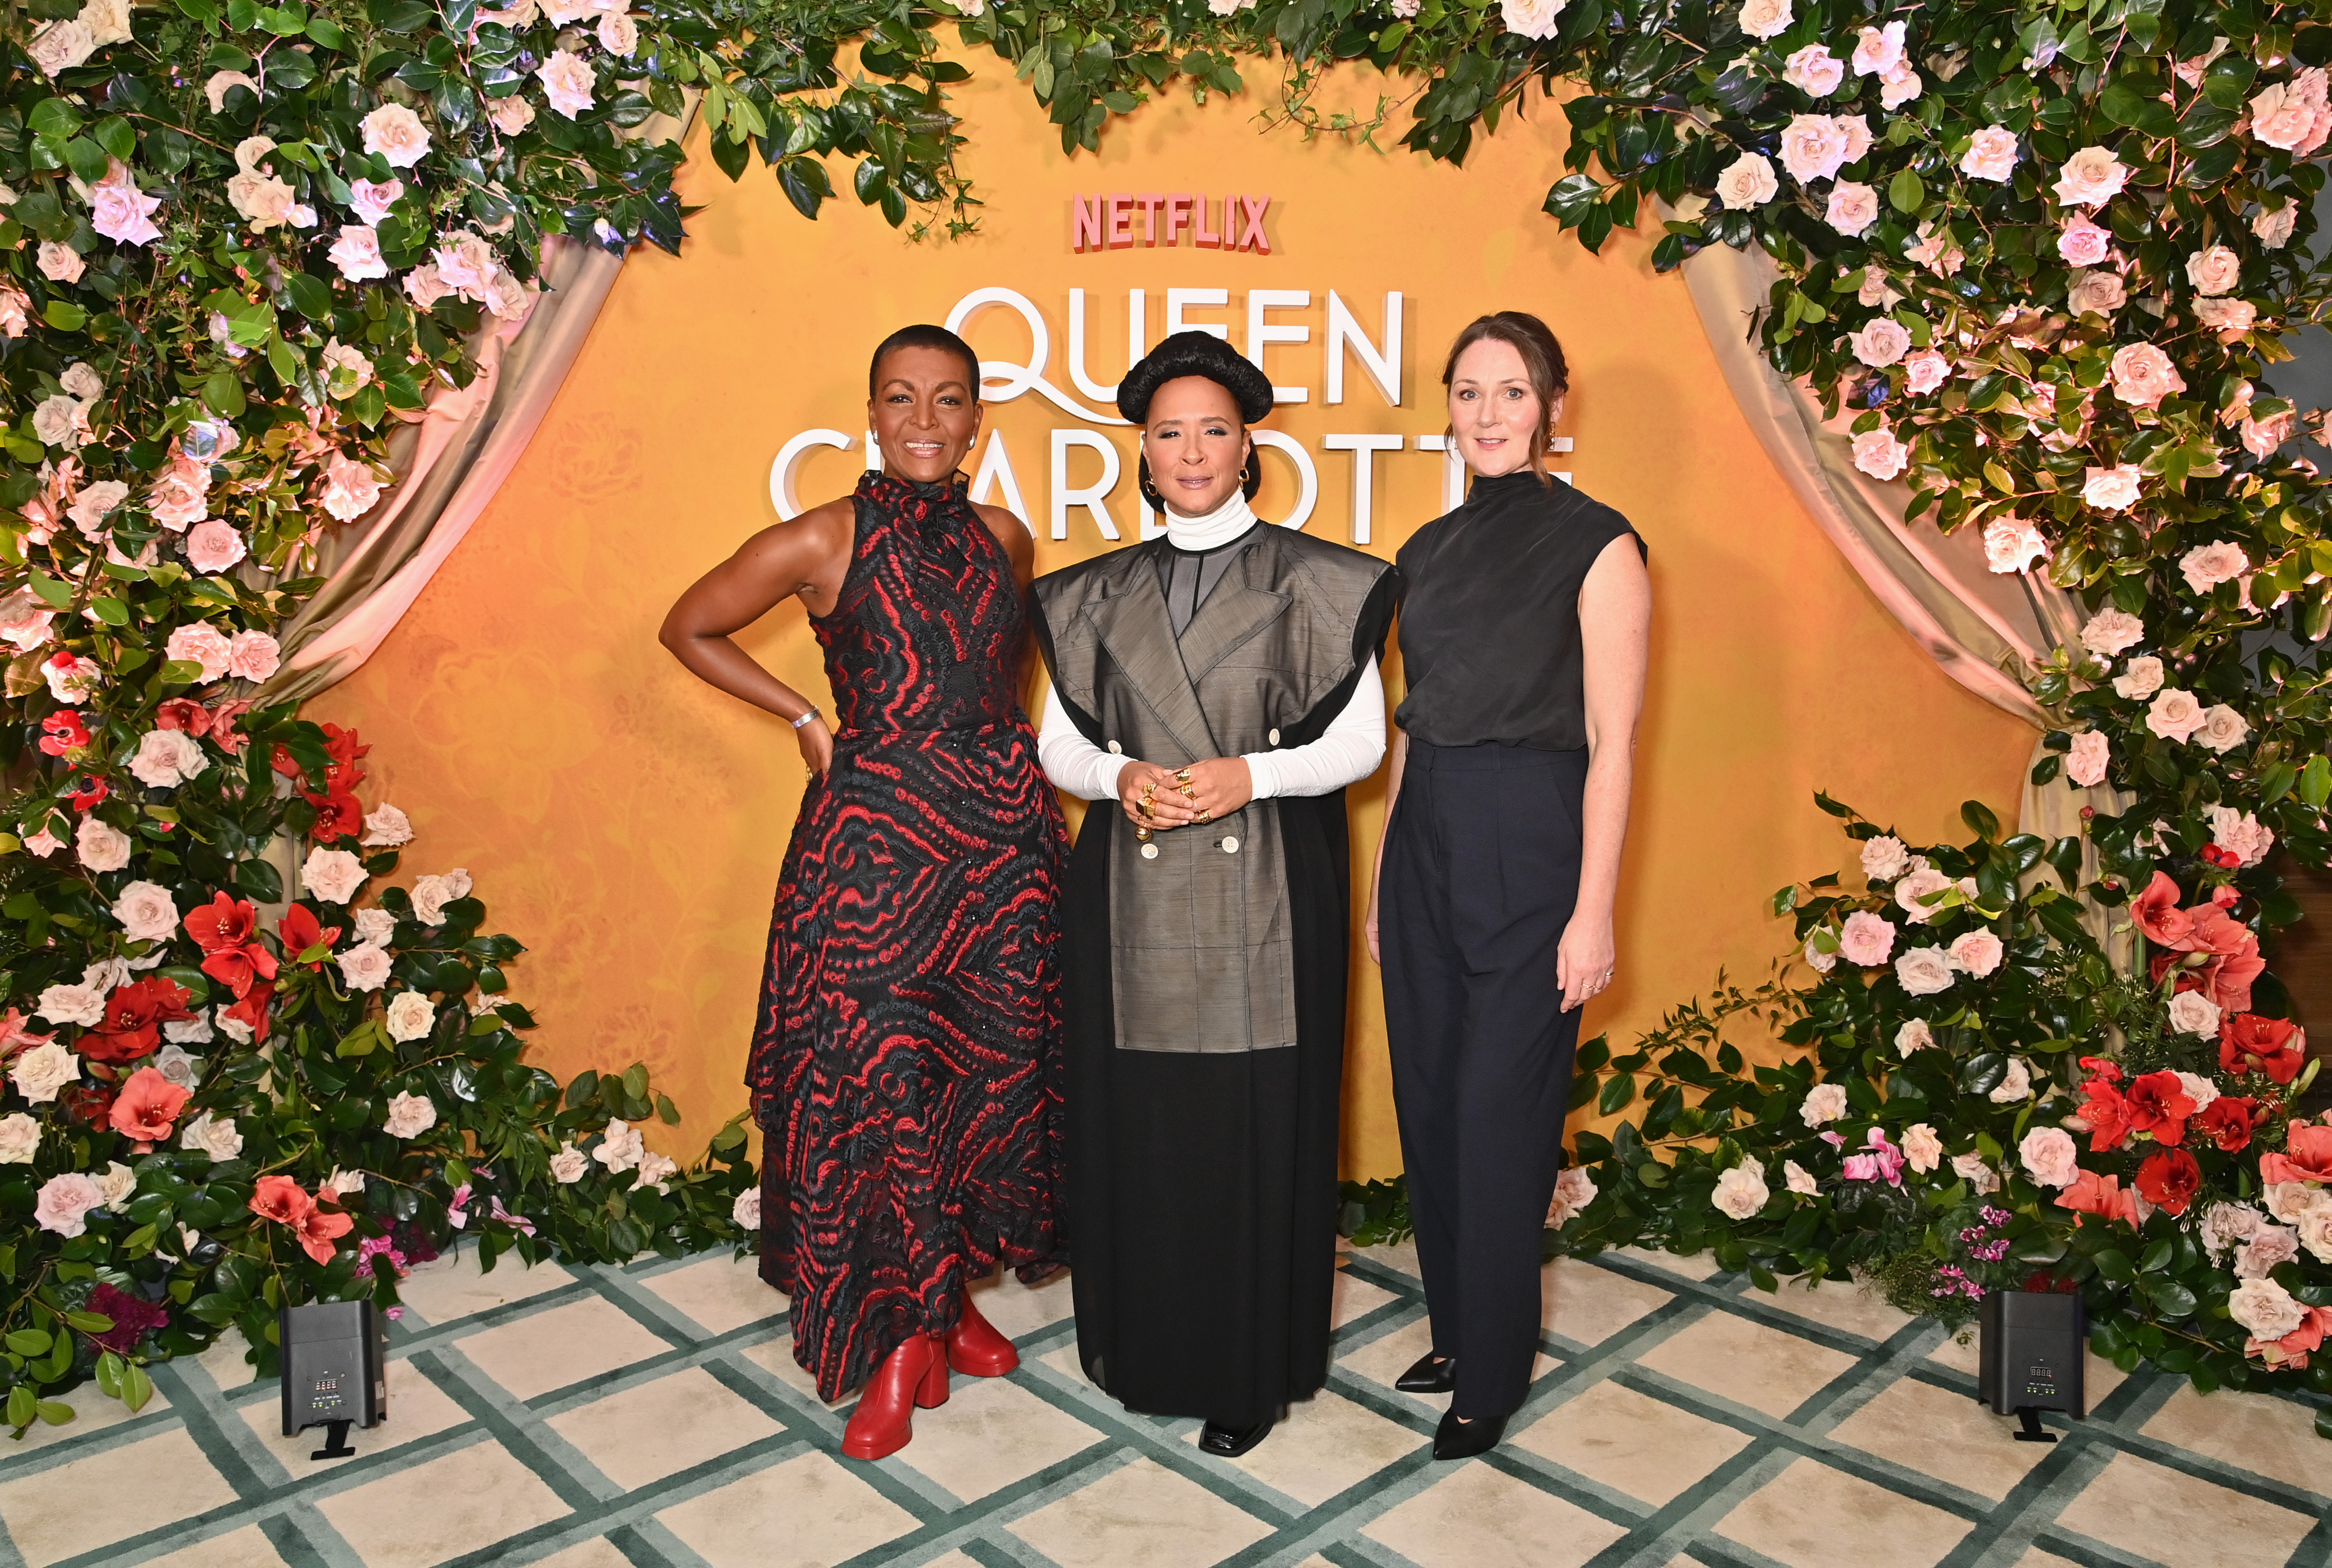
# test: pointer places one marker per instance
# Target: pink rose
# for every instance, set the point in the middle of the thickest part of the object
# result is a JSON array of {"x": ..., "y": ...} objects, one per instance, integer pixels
[
  {"x": 2262, "y": 437},
  {"x": 350, "y": 488},
  {"x": 182, "y": 495},
  {"x": 1977, "y": 952},
  {"x": 2174, "y": 714},
  {"x": 65, "y": 1201},
  {"x": 2230, "y": 319},
  {"x": 2090, "y": 177},
  {"x": 2207, "y": 566},
  {"x": 363, "y": 967},
  {"x": 1922, "y": 1148},
  {"x": 2110, "y": 489},
  {"x": 1865, "y": 939},
  {"x": 1824, "y": 1104},
  {"x": 2110, "y": 631},
  {"x": 2222, "y": 729},
  {"x": 620, "y": 34},
  {"x": 2081, "y": 242},
  {"x": 1814, "y": 70},
  {"x": 2195, "y": 1014},
  {"x": 1913, "y": 893},
  {"x": 1879, "y": 455},
  {"x": 2142, "y": 375},
  {"x": 213, "y": 547},
  {"x": 333, "y": 876},
  {"x": 1879, "y": 49},
  {"x": 215, "y": 89},
  {"x": 2142, "y": 679},
  {"x": 1852, "y": 208},
  {"x": 1812, "y": 146},
  {"x": 566, "y": 84},
  {"x": 2273, "y": 226},
  {"x": 1925, "y": 371},
  {"x": 357, "y": 252},
  {"x": 2293, "y": 115},
  {"x": 1881, "y": 342},
  {"x": 1884, "y": 858},
  {"x": 1765, "y": 18},
  {"x": 1924, "y": 971},
  {"x": 2012, "y": 544},
  {"x": 2049, "y": 1155},
  {"x": 167, "y": 759},
  {"x": 2098, "y": 292},
  {"x": 120, "y": 211},
  {"x": 263, "y": 200},
  {"x": 2241, "y": 833},
  {"x": 397, "y": 133},
  {"x": 14, "y": 305},
  {"x": 60, "y": 262},
  {"x": 424, "y": 286},
  {"x": 199, "y": 643},
  {"x": 252, "y": 656},
  {"x": 373, "y": 201},
  {"x": 2214, "y": 270},
  {"x": 1936, "y": 252},
  {"x": 1748, "y": 181},
  {"x": 2268, "y": 1245},
  {"x": 511, "y": 115},
  {"x": 1991, "y": 154},
  {"x": 2085, "y": 764}
]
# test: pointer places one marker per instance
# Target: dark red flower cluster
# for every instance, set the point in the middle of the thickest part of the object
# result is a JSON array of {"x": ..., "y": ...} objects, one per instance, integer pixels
[
  {"x": 338, "y": 814},
  {"x": 227, "y": 930},
  {"x": 133, "y": 1318},
  {"x": 134, "y": 1017},
  {"x": 2233, "y": 959},
  {"x": 2251, "y": 1044}
]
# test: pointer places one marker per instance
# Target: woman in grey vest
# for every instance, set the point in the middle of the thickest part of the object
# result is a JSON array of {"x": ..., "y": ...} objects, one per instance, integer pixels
[{"x": 1217, "y": 689}]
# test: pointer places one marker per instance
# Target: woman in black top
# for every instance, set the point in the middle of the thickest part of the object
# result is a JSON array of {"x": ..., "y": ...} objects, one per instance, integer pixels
[{"x": 1524, "y": 638}]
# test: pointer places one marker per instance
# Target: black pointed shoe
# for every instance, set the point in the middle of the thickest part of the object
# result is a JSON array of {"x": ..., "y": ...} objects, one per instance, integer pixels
[
  {"x": 1457, "y": 1439},
  {"x": 1432, "y": 1374},
  {"x": 1230, "y": 1442}
]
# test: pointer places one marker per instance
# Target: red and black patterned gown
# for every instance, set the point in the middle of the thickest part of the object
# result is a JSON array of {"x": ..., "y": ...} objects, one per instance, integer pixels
[{"x": 906, "y": 1067}]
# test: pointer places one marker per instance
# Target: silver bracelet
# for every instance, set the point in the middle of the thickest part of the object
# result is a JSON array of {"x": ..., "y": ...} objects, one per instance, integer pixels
[{"x": 805, "y": 718}]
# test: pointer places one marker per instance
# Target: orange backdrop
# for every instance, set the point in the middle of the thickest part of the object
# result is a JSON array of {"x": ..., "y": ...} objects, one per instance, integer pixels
[{"x": 627, "y": 823}]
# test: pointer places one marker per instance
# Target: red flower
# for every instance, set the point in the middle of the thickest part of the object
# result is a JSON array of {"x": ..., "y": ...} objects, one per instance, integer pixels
[
  {"x": 147, "y": 1106},
  {"x": 2292, "y": 1349},
  {"x": 90, "y": 792},
  {"x": 252, "y": 1008},
  {"x": 2225, "y": 858},
  {"x": 338, "y": 813},
  {"x": 2227, "y": 978},
  {"x": 301, "y": 930},
  {"x": 319, "y": 1229},
  {"x": 281, "y": 1200},
  {"x": 2307, "y": 1156},
  {"x": 88, "y": 1103},
  {"x": 2157, "y": 914},
  {"x": 2103, "y": 1196},
  {"x": 2168, "y": 1179},
  {"x": 2228, "y": 1121},
  {"x": 2102, "y": 1067},
  {"x": 224, "y": 734},
  {"x": 183, "y": 714},
  {"x": 2160, "y": 1105},
  {"x": 2251, "y": 1044},
  {"x": 65, "y": 731},
  {"x": 2224, "y": 896},
  {"x": 2108, "y": 1114},
  {"x": 226, "y": 928},
  {"x": 134, "y": 1017}
]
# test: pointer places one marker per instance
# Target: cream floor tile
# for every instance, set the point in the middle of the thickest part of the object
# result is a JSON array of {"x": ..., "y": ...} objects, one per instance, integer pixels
[
  {"x": 224, "y": 1363},
  {"x": 1386, "y": 1356},
  {"x": 1326, "y": 1445},
  {"x": 2100, "y": 1377},
  {"x": 1016, "y": 1309},
  {"x": 1698, "y": 1266},
  {"x": 418, "y": 1408},
  {"x": 1355, "y": 1298},
  {"x": 50, "y": 1516},
  {"x": 1587, "y": 1304},
  {"x": 1482, "y": 1518},
  {"x": 2152, "y": 1511},
  {"x": 655, "y": 1430},
  {"x": 1631, "y": 1442},
  {"x": 1064, "y": 1362},
  {"x": 1747, "y": 1362},
  {"x": 1946, "y": 1435},
  {"x": 93, "y": 1411},
  {"x": 448, "y": 1508},
  {"x": 562, "y": 1345},
  {"x": 776, "y": 1357},
  {"x": 990, "y": 1433},
  {"x": 2274, "y": 1438},
  {"x": 1142, "y": 1515},
  {"x": 806, "y": 1512},
  {"x": 1812, "y": 1516},
  {"x": 1399, "y": 1255},
  {"x": 248, "y": 1547},
  {"x": 1836, "y": 1304},
  {"x": 719, "y": 1294},
  {"x": 597, "y": 1553},
  {"x": 452, "y": 1289},
  {"x": 2037, "y": 1558}
]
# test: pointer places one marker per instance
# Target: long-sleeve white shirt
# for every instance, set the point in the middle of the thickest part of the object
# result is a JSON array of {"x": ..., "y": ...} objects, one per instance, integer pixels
[{"x": 1348, "y": 751}]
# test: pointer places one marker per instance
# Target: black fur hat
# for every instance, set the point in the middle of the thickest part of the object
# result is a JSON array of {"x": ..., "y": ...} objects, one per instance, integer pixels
[{"x": 1194, "y": 353}]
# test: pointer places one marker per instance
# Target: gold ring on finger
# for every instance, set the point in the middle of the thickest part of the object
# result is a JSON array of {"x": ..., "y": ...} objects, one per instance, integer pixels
[
  {"x": 1204, "y": 815},
  {"x": 1183, "y": 776}
]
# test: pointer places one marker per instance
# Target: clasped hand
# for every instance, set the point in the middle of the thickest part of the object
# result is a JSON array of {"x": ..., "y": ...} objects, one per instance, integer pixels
[{"x": 1160, "y": 798}]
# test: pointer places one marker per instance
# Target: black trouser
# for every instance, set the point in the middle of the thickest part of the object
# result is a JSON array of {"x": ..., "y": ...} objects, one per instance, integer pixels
[{"x": 1481, "y": 871}]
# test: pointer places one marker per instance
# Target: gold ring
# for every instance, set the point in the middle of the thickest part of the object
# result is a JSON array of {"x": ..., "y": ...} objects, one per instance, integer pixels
[
  {"x": 1204, "y": 815},
  {"x": 1142, "y": 835},
  {"x": 1143, "y": 806},
  {"x": 1181, "y": 775}
]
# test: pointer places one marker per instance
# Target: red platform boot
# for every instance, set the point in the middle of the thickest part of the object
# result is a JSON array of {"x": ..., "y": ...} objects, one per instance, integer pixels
[
  {"x": 913, "y": 1374},
  {"x": 974, "y": 1348}
]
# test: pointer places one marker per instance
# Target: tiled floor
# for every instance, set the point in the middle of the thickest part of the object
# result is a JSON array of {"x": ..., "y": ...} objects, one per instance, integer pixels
[{"x": 653, "y": 1416}]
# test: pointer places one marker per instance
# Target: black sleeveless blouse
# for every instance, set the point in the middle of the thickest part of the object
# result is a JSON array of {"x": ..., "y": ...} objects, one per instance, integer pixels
[{"x": 1489, "y": 631}]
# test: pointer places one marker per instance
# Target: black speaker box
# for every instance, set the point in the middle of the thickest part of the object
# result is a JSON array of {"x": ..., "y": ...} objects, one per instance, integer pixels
[
  {"x": 2031, "y": 1355},
  {"x": 335, "y": 1367}
]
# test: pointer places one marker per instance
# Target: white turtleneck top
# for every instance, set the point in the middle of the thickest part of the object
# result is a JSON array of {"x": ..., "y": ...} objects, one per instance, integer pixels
[{"x": 1348, "y": 751}]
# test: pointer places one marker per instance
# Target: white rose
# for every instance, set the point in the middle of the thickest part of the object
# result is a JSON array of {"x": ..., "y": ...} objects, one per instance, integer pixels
[
  {"x": 2287, "y": 1201},
  {"x": 2222, "y": 729},
  {"x": 1824, "y": 1103},
  {"x": 20, "y": 1139},
  {"x": 62, "y": 46},
  {"x": 430, "y": 894},
  {"x": 410, "y": 1115},
  {"x": 375, "y": 926},
  {"x": 60, "y": 421},
  {"x": 206, "y": 1135},
  {"x": 1748, "y": 181},
  {"x": 1922, "y": 1148},
  {"x": 655, "y": 1169},
  {"x": 1972, "y": 1168},
  {"x": 397, "y": 133},
  {"x": 265, "y": 200},
  {"x": 1741, "y": 1191},
  {"x": 2214, "y": 270},
  {"x": 2099, "y": 292},
  {"x": 117, "y": 1182},
  {"x": 409, "y": 1018},
  {"x": 178, "y": 1065},
  {"x": 167, "y": 758},
  {"x": 2110, "y": 631},
  {"x": 345, "y": 1183},
  {"x": 1525, "y": 18},
  {"x": 386, "y": 828},
  {"x": 71, "y": 1004},
  {"x": 1798, "y": 1179},
  {"x": 1765, "y": 18},
  {"x": 2265, "y": 1309},
  {"x": 566, "y": 1166},
  {"x": 1884, "y": 858},
  {"x": 2015, "y": 1084},
  {"x": 746, "y": 1210},
  {"x": 2315, "y": 1232},
  {"x": 1914, "y": 1035},
  {"x": 2140, "y": 679},
  {"x": 1924, "y": 971},
  {"x": 43, "y": 1070},
  {"x": 146, "y": 910},
  {"x": 333, "y": 875},
  {"x": 621, "y": 1149},
  {"x": 2194, "y": 1014},
  {"x": 365, "y": 968},
  {"x": 1913, "y": 893}
]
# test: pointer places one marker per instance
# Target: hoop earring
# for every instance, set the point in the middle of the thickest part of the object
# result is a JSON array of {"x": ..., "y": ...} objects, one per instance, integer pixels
[{"x": 1242, "y": 474}]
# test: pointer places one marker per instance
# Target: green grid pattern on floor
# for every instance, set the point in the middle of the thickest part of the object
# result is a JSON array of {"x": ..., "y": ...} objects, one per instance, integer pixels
[{"x": 653, "y": 1417}]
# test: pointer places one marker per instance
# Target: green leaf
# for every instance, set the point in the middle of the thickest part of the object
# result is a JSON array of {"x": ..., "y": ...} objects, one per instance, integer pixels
[
  {"x": 55, "y": 1412},
  {"x": 2115, "y": 1266},
  {"x": 1980, "y": 819},
  {"x": 2316, "y": 782},
  {"x": 112, "y": 612},
  {"x": 30, "y": 1342},
  {"x": 22, "y": 1405},
  {"x": 53, "y": 118},
  {"x": 136, "y": 1388},
  {"x": 64, "y": 315},
  {"x": 1905, "y": 193},
  {"x": 1618, "y": 1090}
]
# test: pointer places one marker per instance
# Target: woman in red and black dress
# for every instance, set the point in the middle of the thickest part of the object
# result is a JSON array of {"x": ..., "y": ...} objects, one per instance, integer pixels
[{"x": 906, "y": 1067}]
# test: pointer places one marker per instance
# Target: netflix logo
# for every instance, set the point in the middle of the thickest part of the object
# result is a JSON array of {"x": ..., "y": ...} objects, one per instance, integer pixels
[{"x": 1107, "y": 223}]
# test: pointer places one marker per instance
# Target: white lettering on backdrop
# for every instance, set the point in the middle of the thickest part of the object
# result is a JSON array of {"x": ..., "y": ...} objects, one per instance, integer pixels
[{"x": 994, "y": 478}]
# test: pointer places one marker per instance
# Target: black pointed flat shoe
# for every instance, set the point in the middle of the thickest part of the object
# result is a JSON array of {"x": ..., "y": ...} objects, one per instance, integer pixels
[
  {"x": 1457, "y": 1439},
  {"x": 1230, "y": 1442},
  {"x": 1432, "y": 1374}
]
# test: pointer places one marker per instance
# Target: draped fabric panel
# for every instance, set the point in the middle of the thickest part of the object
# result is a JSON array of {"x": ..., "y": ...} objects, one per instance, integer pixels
[{"x": 1982, "y": 627}]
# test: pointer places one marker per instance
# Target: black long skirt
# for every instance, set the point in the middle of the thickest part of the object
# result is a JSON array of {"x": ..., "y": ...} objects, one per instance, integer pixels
[{"x": 1202, "y": 1188}]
